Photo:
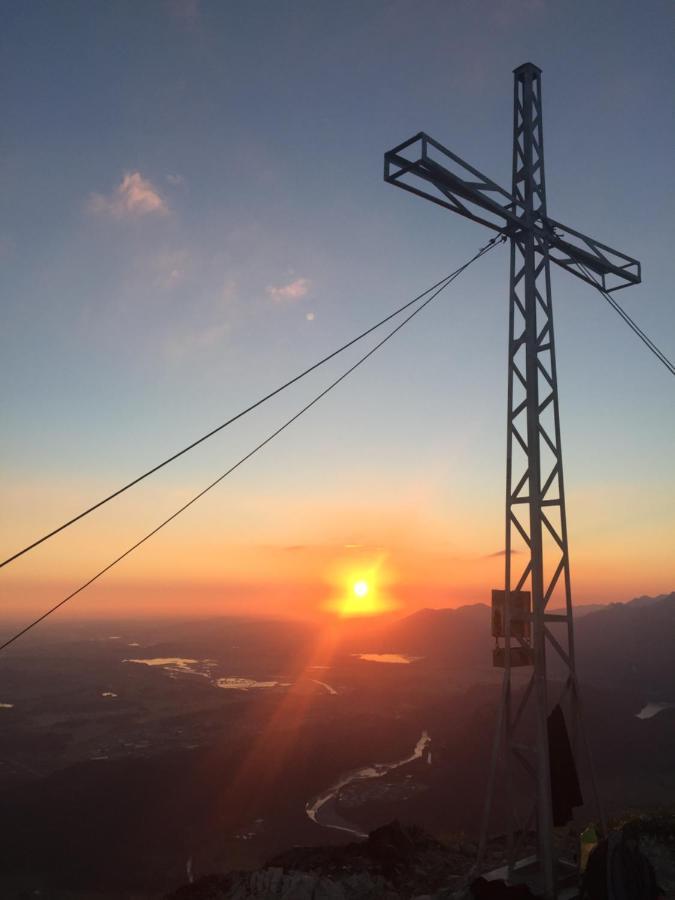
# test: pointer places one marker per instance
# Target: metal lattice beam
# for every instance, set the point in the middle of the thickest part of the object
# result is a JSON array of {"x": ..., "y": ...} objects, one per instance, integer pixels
[{"x": 424, "y": 167}]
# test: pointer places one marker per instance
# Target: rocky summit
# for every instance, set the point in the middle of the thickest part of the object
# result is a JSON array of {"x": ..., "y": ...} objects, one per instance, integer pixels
[
  {"x": 398, "y": 862},
  {"x": 394, "y": 863}
]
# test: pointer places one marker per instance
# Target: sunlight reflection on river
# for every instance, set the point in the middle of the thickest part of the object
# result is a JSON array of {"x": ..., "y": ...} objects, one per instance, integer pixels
[
  {"x": 179, "y": 665},
  {"x": 376, "y": 770}
]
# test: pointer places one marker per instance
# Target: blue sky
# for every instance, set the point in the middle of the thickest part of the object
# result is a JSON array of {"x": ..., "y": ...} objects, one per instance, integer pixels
[{"x": 193, "y": 209}]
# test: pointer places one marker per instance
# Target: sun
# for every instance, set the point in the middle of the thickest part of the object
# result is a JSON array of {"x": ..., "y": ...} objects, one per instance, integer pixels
[
  {"x": 360, "y": 598},
  {"x": 360, "y": 588}
]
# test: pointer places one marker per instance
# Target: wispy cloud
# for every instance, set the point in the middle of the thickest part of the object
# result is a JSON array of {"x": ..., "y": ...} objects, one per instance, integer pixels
[
  {"x": 500, "y": 553},
  {"x": 294, "y": 290},
  {"x": 135, "y": 196}
]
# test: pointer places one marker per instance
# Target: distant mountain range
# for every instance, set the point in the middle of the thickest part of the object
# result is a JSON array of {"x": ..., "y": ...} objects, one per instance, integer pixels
[{"x": 631, "y": 643}]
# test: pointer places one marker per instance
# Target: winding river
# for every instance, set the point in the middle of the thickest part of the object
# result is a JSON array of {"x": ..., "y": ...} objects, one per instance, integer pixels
[
  {"x": 321, "y": 810},
  {"x": 653, "y": 709}
]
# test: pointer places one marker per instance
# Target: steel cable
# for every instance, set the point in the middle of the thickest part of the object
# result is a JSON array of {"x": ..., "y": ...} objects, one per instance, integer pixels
[
  {"x": 258, "y": 447},
  {"x": 647, "y": 341}
]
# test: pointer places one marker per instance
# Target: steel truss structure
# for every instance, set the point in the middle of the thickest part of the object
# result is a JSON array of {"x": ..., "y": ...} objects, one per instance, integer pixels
[{"x": 536, "y": 525}]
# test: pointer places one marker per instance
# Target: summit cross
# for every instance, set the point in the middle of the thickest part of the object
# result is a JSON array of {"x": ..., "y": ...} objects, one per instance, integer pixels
[{"x": 536, "y": 525}]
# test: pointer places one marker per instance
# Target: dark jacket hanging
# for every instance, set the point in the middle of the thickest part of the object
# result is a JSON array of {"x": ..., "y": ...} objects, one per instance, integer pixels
[{"x": 565, "y": 789}]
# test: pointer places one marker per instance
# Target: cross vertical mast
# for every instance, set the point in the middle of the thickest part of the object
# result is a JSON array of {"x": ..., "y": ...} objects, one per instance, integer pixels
[{"x": 531, "y": 336}]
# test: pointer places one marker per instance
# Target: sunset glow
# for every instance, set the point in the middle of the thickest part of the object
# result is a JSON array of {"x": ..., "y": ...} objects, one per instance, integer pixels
[
  {"x": 360, "y": 606},
  {"x": 360, "y": 588},
  {"x": 181, "y": 291},
  {"x": 288, "y": 571},
  {"x": 362, "y": 593},
  {"x": 361, "y": 601}
]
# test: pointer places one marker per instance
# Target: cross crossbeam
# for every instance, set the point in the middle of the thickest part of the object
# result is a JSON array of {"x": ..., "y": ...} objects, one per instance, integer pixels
[{"x": 424, "y": 167}]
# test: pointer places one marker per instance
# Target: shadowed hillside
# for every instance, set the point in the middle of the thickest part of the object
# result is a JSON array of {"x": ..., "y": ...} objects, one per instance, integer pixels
[{"x": 138, "y": 775}]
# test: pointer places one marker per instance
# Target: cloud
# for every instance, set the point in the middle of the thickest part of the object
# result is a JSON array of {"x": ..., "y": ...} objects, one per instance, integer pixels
[
  {"x": 294, "y": 290},
  {"x": 500, "y": 553},
  {"x": 135, "y": 196},
  {"x": 175, "y": 180},
  {"x": 310, "y": 316}
]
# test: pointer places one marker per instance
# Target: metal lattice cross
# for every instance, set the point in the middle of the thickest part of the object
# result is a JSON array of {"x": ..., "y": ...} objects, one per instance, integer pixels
[{"x": 535, "y": 499}]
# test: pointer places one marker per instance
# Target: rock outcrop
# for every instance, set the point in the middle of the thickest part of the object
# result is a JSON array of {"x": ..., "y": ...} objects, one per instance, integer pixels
[
  {"x": 394, "y": 863},
  {"x": 406, "y": 863}
]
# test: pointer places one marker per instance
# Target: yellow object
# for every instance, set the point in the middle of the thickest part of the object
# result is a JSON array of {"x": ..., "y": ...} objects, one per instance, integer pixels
[{"x": 588, "y": 842}]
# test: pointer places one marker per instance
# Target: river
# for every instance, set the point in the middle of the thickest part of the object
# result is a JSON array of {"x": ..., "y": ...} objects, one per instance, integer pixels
[
  {"x": 321, "y": 810},
  {"x": 653, "y": 709}
]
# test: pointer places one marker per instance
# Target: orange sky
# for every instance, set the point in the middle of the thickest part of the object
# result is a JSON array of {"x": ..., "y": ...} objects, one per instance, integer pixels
[
  {"x": 186, "y": 230},
  {"x": 260, "y": 554}
]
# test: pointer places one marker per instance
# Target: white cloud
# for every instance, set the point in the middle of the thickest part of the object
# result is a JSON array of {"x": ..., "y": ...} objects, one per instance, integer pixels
[
  {"x": 309, "y": 316},
  {"x": 134, "y": 196},
  {"x": 295, "y": 290}
]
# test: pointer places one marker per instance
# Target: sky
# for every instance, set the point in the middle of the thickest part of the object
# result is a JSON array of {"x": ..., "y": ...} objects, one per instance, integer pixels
[{"x": 193, "y": 210}]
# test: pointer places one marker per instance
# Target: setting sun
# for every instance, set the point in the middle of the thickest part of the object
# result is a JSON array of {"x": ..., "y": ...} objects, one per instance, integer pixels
[{"x": 360, "y": 588}]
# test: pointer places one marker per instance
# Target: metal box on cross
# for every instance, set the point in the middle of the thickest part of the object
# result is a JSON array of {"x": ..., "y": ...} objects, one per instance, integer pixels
[{"x": 520, "y": 610}]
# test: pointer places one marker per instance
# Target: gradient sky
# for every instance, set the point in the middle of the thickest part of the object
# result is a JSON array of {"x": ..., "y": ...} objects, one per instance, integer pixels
[{"x": 193, "y": 209}]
